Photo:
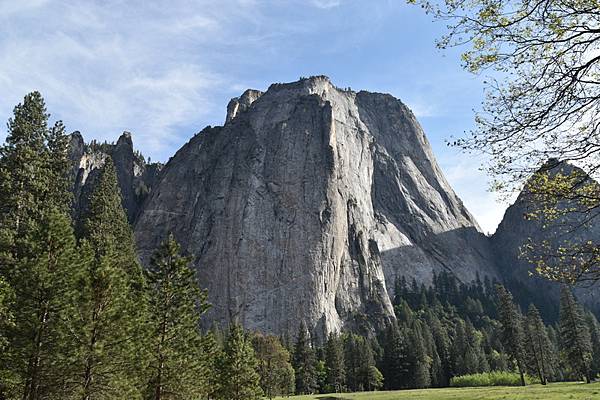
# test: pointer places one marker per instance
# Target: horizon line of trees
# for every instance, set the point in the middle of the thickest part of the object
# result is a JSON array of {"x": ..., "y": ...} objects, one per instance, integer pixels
[{"x": 81, "y": 319}]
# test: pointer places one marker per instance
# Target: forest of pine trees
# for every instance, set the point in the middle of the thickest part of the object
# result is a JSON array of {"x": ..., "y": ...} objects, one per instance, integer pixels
[{"x": 81, "y": 319}]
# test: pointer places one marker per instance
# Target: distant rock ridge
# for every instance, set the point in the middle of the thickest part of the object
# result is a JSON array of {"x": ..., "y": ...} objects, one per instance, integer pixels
[
  {"x": 514, "y": 231},
  {"x": 136, "y": 176}
]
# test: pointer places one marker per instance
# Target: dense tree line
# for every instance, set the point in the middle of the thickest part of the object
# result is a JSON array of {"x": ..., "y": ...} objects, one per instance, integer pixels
[
  {"x": 452, "y": 329},
  {"x": 81, "y": 319}
]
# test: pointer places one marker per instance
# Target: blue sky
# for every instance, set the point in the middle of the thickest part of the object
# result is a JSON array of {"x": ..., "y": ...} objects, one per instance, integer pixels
[{"x": 164, "y": 70}]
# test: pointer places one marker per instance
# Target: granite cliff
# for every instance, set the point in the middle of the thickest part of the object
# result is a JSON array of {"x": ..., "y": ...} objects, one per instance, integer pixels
[
  {"x": 307, "y": 204},
  {"x": 517, "y": 228}
]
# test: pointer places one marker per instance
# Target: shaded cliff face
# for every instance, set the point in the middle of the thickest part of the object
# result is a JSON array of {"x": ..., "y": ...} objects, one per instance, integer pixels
[
  {"x": 307, "y": 205},
  {"x": 515, "y": 230},
  {"x": 136, "y": 176}
]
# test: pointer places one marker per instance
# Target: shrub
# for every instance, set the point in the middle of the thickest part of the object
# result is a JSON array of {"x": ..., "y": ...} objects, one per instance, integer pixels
[{"x": 494, "y": 378}]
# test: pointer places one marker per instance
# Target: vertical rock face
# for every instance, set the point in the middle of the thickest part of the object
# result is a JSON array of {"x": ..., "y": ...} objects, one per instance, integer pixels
[
  {"x": 515, "y": 230},
  {"x": 307, "y": 204},
  {"x": 136, "y": 177}
]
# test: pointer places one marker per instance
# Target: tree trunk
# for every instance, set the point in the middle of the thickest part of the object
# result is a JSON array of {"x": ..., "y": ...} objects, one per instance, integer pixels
[
  {"x": 89, "y": 364},
  {"x": 521, "y": 373},
  {"x": 33, "y": 380}
]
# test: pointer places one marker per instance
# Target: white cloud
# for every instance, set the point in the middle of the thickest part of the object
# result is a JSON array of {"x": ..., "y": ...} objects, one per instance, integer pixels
[
  {"x": 10, "y": 8},
  {"x": 325, "y": 4},
  {"x": 105, "y": 67},
  {"x": 423, "y": 109}
]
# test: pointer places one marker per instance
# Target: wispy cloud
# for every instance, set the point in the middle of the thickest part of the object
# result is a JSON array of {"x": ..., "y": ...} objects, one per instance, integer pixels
[
  {"x": 105, "y": 67},
  {"x": 11, "y": 8},
  {"x": 326, "y": 3},
  {"x": 164, "y": 70}
]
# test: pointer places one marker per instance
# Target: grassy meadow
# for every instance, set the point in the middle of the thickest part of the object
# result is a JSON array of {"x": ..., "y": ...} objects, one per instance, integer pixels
[{"x": 553, "y": 391}]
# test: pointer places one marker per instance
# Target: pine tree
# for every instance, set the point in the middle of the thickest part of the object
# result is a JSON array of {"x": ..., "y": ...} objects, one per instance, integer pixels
[
  {"x": 7, "y": 378},
  {"x": 112, "y": 303},
  {"x": 374, "y": 378},
  {"x": 59, "y": 164},
  {"x": 6, "y": 317},
  {"x": 177, "y": 362},
  {"x": 238, "y": 379},
  {"x": 395, "y": 363},
  {"x": 461, "y": 352},
  {"x": 37, "y": 246},
  {"x": 34, "y": 178},
  {"x": 212, "y": 353},
  {"x": 441, "y": 341},
  {"x": 359, "y": 357},
  {"x": 274, "y": 367},
  {"x": 304, "y": 363},
  {"x": 44, "y": 298},
  {"x": 538, "y": 345},
  {"x": 320, "y": 374},
  {"x": 574, "y": 336},
  {"x": 558, "y": 370},
  {"x": 594, "y": 327},
  {"x": 334, "y": 362},
  {"x": 512, "y": 330},
  {"x": 24, "y": 177},
  {"x": 418, "y": 359}
]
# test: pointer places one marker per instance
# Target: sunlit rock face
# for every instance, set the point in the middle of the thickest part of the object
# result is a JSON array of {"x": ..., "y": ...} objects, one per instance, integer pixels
[{"x": 305, "y": 207}]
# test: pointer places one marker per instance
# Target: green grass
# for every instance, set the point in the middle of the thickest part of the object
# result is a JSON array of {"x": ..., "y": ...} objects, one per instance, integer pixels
[
  {"x": 553, "y": 391},
  {"x": 494, "y": 378}
]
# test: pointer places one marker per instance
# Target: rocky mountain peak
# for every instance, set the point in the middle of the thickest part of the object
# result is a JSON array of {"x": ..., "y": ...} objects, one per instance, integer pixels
[
  {"x": 307, "y": 205},
  {"x": 242, "y": 103},
  {"x": 136, "y": 177},
  {"x": 125, "y": 140}
]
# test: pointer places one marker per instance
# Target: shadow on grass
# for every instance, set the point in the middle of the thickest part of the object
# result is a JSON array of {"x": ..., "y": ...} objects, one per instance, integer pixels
[{"x": 331, "y": 398}]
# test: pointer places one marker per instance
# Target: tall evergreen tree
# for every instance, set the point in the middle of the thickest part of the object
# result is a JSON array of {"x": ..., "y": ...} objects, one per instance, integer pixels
[
  {"x": 112, "y": 301},
  {"x": 44, "y": 297},
  {"x": 538, "y": 345},
  {"x": 395, "y": 360},
  {"x": 475, "y": 339},
  {"x": 177, "y": 363},
  {"x": 7, "y": 378},
  {"x": 441, "y": 349},
  {"x": 512, "y": 330},
  {"x": 463, "y": 356},
  {"x": 374, "y": 378},
  {"x": 334, "y": 362},
  {"x": 594, "y": 327},
  {"x": 33, "y": 178},
  {"x": 574, "y": 336},
  {"x": 418, "y": 360},
  {"x": 24, "y": 177},
  {"x": 212, "y": 353},
  {"x": 274, "y": 367},
  {"x": 304, "y": 361},
  {"x": 37, "y": 246},
  {"x": 237, "y": 368},
  {"x": 556, "y": 359},
  {"x": 59, "y": 164},
  {"x": 358, "y": 359}
]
